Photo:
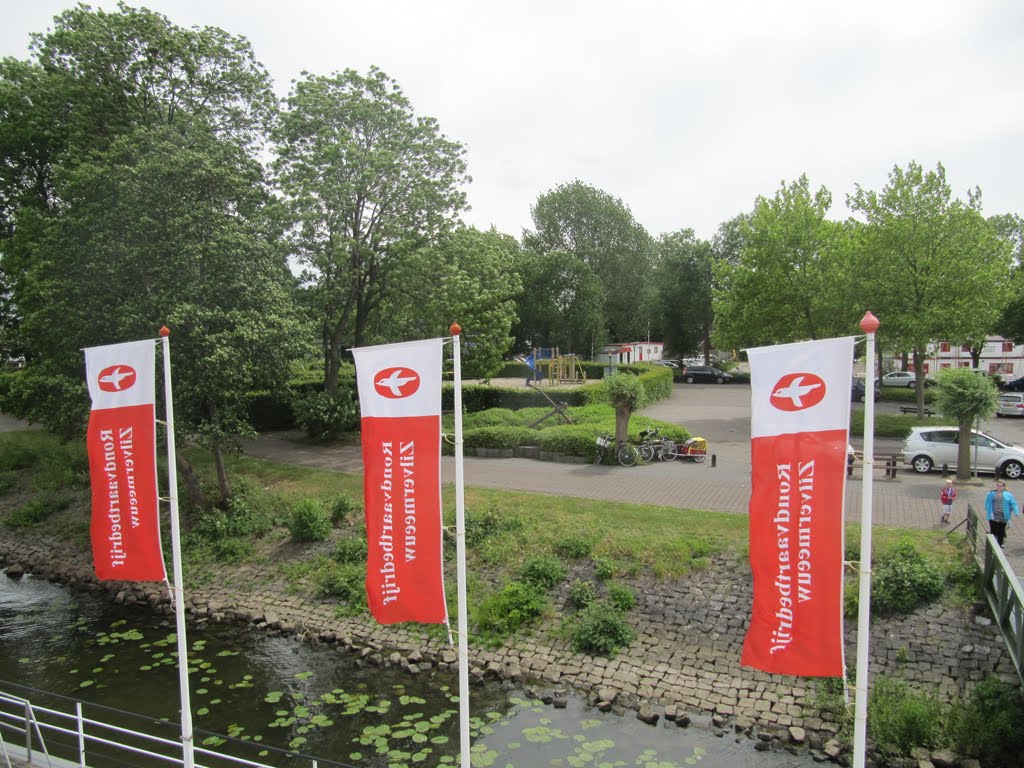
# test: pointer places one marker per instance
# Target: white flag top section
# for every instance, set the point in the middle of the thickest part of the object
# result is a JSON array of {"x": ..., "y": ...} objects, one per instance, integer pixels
[
  {"x": 396, "y": 391},
  {"x": 120, "y": 375},
  {"x": 787, "y": 379}
]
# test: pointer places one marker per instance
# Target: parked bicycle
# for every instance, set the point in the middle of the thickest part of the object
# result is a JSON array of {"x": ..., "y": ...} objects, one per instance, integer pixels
[
  {"x": 627, "y": 455},
  {"x": 654, "y": 446}
]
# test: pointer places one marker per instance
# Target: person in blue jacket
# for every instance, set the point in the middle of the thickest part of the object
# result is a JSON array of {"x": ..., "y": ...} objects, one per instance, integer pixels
[{"x": 1000, "y": 506}]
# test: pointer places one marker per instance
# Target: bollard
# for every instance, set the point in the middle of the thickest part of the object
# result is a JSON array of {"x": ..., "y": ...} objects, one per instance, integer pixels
[
  {"x": 945, "y": 470},
  {"x": 714, "y": 460}
]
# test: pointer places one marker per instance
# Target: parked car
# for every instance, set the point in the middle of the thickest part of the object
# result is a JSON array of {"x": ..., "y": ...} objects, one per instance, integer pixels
[
  {"x": 1010, "y": 404},
  {"x": 667, "y": 363},
  {"x": 1016, "y": 385},
  {"x": 858, "y": 390},
  {"x": 693, "y": 373},
  {"x": 899, "y": 379},
  {"x": 929, "y": 447}
]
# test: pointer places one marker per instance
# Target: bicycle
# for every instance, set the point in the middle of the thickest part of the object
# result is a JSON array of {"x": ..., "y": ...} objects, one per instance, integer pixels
[
  {"x": 627, "y": 455},
  {"x": 654, "y": 446}
]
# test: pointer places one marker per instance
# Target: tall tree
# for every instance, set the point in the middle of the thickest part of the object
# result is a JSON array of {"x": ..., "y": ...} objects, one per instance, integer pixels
[
  {"x": 965, "y": 397},
  {"x": 561, "y": 305},
  {"x": 135, "y": 202},
  {"x": 600, "y": 231},
  {"x": 466, "y": 277},
  {"x": 932, "y": 265},
  {"x": 788, "y": 283},
  {"x": 366, "y": 183},
  {"x": 683, "y": 280}
]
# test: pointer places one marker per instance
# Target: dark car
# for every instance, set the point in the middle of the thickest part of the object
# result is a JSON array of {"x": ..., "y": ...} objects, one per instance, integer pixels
[
  {"x": 858, "y": 389},
  {"x": 1017, "y": 385},
  {"x": 692, "y": 373}
]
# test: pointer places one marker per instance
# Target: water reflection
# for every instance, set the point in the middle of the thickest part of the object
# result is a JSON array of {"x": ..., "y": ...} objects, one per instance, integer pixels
[{"x": 275, "y": 691}]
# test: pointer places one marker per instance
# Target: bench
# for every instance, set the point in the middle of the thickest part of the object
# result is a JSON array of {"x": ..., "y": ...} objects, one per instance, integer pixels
[
  {"x": 891, "y": 462},
  {"x": 913, "y": 409}
]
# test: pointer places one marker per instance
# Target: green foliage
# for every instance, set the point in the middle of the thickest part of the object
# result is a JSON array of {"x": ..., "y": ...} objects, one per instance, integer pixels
[
  {"x": 600, "y": 629},
  {"x": 346, "y": 583},
  {"x": 343, "y": 507},
  {"x": 683, "y": 286},
  {"x": 964, "y": 396},
  {"x": 38, "y": 510},
  {"x": 902, "y": 579},
  {"x": 327, "y": 417},
  {"x": 604, "y": 568},
  {"x": 498, "y": 437},
  {"x": 350, "y": 550},
  {"x": 514, "y": 606},
  {"x": 902, "y": 718},
  {"x": 542, "y": 570},
  {"x": 621, "y": 597},
  {"x": 310, "y": 521},
  {"x": 582, "y": 593},
  {"x": 489, "y": 523},
  {"x": 574, "y": 547},
  {"x": 887, "y": 424},
  {"x": 626, "y": 391},
  {"x": 991, "y": 723}
]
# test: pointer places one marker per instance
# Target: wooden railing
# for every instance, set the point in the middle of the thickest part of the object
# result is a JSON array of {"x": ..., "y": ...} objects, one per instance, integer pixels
[{"x": 1002, "y": 590}]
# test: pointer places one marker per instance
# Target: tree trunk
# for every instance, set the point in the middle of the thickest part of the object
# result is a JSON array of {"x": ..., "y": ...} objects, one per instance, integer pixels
[
  {"x": 621, "y": 425},
  {"x": 222, "y": 474},
  {"x": 919, "y": 382},
  {"x": 963, "y": 453},
  {"x": 192, "y": 485}
]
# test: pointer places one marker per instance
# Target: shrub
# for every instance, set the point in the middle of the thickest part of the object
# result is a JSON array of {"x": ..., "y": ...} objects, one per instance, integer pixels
[
  {"x": 350, "y": 550},
  {"x": 327, "y": 417},
  {"x": 904, "y": 719},
  {"x": 604, "y": 568},
  {"x": 342, "y": 507},
  {"x": 582, "y": 593},
  {"x": 309, "y": 521},
  {"x": 574, "y": 547},
  {"x": 345, "y": 583},
  {"x": 569, "y": 439},
  {"x": 991, "y": 723},
  {"x": 231, "y": 550},
  {"x": 601, "y": 629},
  {"x": 487, "y": 524},
  {"x": 902, "y": 579},
  {"x": 543, "y": 570},
  {"x": 621, "y": 597},
  {"x": 499, "y": 437},
  {"x": 516, "y": 605},
  {"x": 38, "y": 509}
]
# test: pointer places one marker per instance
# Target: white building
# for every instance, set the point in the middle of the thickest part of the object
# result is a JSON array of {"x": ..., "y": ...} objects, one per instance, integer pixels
[
  {"x": 998, "y": 356},
  {"x": 632, "y": 352}
]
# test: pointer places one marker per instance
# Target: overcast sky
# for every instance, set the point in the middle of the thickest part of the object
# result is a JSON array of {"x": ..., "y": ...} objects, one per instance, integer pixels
[{"x": 685, "y": 111}]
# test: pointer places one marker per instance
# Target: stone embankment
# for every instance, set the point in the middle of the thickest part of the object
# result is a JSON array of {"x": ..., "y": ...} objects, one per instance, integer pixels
[{"x": 683, "y": 666}]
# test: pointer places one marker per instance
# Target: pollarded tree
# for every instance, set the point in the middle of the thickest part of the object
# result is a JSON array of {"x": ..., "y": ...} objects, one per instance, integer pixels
[
  {"x": 931, "y": 265},
  {"x": 600, "y": 231},
  {"x": 466, "y": 277},
  {"x": 790, "y": 281},
  {"x": 366, "y": 183},
  {"x": 964, "y": 396}
]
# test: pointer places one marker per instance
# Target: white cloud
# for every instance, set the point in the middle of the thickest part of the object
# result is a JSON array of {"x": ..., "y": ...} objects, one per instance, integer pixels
[{"x": 686, "y": 111}]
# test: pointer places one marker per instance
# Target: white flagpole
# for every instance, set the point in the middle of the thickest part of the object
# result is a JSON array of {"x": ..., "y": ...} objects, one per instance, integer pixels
[
  {"x": 868, "y": 324},
  {"x": 460, "y": 553},
  {"x": 187, "y": 736}
]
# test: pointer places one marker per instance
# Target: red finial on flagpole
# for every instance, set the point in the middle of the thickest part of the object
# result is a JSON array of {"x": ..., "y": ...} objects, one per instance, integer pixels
[
  {"x": 869, "y": 323},
  {"x": 455, "y": 329},
  {"x": 165, "y": 331}
]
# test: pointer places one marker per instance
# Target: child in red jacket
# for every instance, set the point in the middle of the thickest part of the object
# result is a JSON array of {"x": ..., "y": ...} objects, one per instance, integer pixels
[{"x": 947, "y": 497}]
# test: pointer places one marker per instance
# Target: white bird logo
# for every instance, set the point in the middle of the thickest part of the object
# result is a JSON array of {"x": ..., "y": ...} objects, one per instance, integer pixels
[
  {"x": 115, "y": 377},
  {"x": 795, "y": 391},
  {"x": 395, "y": 382}
]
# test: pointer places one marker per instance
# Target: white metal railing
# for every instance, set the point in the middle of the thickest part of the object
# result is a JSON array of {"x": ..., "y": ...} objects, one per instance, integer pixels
[
  {"x": 74, "y": 739},
  {"x": 1001, "y": 588}
]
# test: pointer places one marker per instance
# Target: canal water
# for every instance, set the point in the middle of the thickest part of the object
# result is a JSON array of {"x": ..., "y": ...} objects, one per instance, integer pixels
[{"x": 273, "y": 692}]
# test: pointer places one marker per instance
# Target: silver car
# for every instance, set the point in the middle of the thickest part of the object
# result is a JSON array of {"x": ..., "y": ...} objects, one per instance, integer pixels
[
  {"x": 1010, "y": 404},
  {"x": 930, "y": 447}
]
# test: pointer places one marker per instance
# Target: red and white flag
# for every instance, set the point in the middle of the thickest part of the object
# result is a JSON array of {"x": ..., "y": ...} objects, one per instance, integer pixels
[
  {"x": 800, "y": 420},
  {"x": 122, "y": 462},
  {"x": 400, "y": 404}
]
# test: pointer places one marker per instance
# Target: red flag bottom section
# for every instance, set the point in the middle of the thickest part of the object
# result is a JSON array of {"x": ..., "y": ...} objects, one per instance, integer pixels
[
  {"x": 404, "y": 576},
  {"x": 796, "y": 553},
  {"x": 125, "y": 520}
]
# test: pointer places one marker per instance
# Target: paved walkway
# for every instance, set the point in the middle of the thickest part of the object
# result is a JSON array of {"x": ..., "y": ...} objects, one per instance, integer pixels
[{"x": 719, "y": 413}]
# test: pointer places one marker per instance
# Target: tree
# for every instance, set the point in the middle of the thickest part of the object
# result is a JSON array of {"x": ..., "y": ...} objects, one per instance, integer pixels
[
  {"x": 134, "y": 202},
  {"x": 466, "y": 277},
  {"x": 561, "y": 304},
  {"x": 625, "y": 392},
  {"x": 963, "y": 395},
  {"x": 683, "y": 280},
  {"x": 790, "y": 280},
  {"x": 600, "y": 231},
  {"x": 366, "y": 184},
  {"x": 932, "y": 265}
]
